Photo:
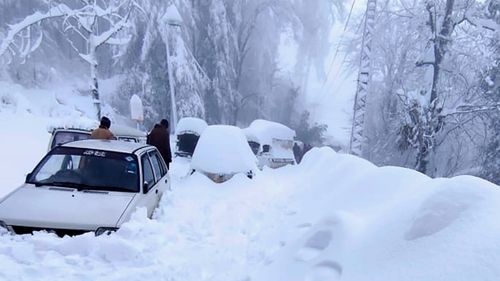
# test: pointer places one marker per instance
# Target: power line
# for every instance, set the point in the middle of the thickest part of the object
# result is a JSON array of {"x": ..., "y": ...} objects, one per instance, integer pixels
[{"x": 340, "y": 41}]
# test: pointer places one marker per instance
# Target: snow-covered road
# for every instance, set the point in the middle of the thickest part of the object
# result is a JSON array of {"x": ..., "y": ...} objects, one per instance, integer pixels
[{"x": 334, "y": 217}]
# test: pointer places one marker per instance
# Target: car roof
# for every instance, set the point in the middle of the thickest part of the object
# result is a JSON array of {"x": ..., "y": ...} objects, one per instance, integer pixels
[
  {"x": 107, "y": 145},
  {"x": 117, "y": 130}
]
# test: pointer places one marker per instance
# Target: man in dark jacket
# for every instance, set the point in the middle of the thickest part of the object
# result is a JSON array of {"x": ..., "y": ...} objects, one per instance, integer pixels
[{"x": 160, "y": 138}]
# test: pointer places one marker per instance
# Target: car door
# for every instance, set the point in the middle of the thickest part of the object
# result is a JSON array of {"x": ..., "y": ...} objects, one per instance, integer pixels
[
  {"x": 161, "y": 172},
  {"x": 150, "y": 188}
]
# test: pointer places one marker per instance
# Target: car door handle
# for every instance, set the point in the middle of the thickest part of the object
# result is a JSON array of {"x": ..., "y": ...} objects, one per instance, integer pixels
[
  {"x": 166, "y": 181},
  {"x": 156, "y": 191}
]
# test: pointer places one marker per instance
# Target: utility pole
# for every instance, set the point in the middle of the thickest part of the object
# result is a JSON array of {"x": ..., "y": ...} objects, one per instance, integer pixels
[
  {"x": 364, "y": 79},
  {"x": 172, "y": 18}
]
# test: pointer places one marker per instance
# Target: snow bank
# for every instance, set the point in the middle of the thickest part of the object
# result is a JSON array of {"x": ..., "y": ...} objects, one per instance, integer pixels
[
  {"x": 191, "y": 125},
  {"x": 223, "y": 149},
  {"x": 265, "y": 131},
  {"x": 359, "y": 222}
]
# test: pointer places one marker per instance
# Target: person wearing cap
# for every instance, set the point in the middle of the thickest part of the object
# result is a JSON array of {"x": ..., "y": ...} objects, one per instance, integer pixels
[
  {"x": 103, "y": 132},
  {"x": 160, "y": 138}
]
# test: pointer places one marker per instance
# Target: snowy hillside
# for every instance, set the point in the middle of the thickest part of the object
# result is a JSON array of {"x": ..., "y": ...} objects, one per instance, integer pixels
[{"x": 333, "y": 217}]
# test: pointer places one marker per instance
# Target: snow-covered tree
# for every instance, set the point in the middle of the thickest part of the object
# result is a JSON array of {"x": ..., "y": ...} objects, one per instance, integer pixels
[
  {"x": 87, "y": 26},
  {"x": 429, "y": 61}
]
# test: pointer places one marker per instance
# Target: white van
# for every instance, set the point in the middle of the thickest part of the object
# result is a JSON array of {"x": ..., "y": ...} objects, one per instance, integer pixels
[
  {"x": 188, "y": 132},
  {"x": 271, "y": 142},
  {"x": 62, "y": 135}
]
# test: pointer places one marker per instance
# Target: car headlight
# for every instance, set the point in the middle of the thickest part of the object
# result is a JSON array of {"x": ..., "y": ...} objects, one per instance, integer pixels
[{"x": 105, "y": 230}]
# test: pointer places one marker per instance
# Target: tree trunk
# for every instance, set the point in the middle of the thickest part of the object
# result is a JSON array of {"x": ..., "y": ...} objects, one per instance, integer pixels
[
  {"x": 95, "y": 90},
  {"x": 440, "y": 40}
]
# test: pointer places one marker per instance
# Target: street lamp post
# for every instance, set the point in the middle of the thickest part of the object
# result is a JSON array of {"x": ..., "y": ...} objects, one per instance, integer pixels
[{"x": 171, "y": 18}]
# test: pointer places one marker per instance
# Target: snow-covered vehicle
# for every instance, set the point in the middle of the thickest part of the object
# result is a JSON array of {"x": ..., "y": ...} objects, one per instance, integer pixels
[
  {"x": 222, "y": 152},
  {"x": 271, "y": 142},
  {"x": 62, "y": 135},
  {"x": 188, "y": 132},
  {"x": 88, "y": 185}
]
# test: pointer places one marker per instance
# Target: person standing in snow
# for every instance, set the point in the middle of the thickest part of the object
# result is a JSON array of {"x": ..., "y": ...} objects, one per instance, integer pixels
[
  {"x": 297, "y": 152},
  {"x": 103, "y": 132},
  {"x": 160, "y": 138}
]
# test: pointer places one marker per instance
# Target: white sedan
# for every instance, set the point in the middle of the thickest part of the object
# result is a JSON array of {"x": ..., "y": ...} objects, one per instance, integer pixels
[{"x": 88, "y": 185}]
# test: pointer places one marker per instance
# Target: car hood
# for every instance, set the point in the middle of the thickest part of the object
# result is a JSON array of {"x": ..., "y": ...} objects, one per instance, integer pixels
[{"x": 53, "y": 207}]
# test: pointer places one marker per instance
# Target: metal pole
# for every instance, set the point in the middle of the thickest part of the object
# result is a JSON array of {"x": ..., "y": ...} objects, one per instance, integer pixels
[
  {"x": 364, "y": 79},
  {"x": 171, "y": 85}
]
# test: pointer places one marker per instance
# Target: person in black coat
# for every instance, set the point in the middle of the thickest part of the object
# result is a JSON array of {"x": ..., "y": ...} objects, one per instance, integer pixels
[{"x": 160, "y": 138}]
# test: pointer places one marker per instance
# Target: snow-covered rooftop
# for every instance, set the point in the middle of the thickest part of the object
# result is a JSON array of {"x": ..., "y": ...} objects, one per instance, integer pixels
[{"x": 120, "y": 130}]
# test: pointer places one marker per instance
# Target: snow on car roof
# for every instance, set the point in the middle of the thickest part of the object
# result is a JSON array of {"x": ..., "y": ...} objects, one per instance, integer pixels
[
  {"x": 120, "y": 130},
  {"x": 223, "y": 149},
  {"x": 85, "y": 124},
  {"x": 265, "y": 131},
  {"x": 117, "y": 130},
  {"x": 191, "y": 124},
  {"x": 107, "y": 145},
  {"x": 250, "y": 135}
]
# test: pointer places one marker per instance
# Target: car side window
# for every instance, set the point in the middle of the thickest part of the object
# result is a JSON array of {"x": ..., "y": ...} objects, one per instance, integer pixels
[
  {"x": 147, "y": 171},
  {"x": 158, "y": 165},
  {"x": 164, "y": 169}
]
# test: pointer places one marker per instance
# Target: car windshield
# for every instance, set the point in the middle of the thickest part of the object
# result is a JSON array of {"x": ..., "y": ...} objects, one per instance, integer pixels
[
  {"x": 63, "y": 137},
  {"x": 88, "y": 169},
  {"x": 187, "y": 142}
]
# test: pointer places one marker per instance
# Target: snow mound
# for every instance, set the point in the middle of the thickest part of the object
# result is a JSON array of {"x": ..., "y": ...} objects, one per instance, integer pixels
[
  {"x": 223, "y": 149},
  {"x": 191, "y": 125},
  {"x": 356, "y": 221},
  {"x": 265, "y": 131}
]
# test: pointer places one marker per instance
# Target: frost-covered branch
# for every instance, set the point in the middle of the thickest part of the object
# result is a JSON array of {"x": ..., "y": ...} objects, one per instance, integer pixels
[{"x": 36, "y": 18}]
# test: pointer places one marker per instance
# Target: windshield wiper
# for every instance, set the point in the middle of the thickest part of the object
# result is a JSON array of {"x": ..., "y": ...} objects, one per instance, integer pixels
[
  {"x": 111, "y": 188},
  {"x": 51, "y": 183},
  {"x": 82, "y": 186},
  {"x": 74, "y": 185}
]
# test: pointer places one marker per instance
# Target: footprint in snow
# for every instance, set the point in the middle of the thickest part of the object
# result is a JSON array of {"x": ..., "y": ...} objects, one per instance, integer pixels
[
  {"x": 318, "y": 242},
  {"x": 325, "y": 271},
  {"x": 438, "y": 212}
]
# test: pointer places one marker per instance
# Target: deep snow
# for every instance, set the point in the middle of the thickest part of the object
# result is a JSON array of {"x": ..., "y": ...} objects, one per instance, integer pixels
[{"x": 333, "y": 217}]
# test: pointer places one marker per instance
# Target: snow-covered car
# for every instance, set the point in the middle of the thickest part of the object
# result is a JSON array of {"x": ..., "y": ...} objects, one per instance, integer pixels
[
  {"x": 222, "y": 152},
  {"x": 271, "y": 142},
  {"x": 88, "y": 185},
  {"x": 62, "y": 135},
  {"x": 188, "y": 132}
]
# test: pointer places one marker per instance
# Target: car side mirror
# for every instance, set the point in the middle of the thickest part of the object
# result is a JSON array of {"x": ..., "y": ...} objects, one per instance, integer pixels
[
  {"x": 28, "y": 176},
  {"x": 266, "y": 148},
  {"x": 145, "y": 187}
]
